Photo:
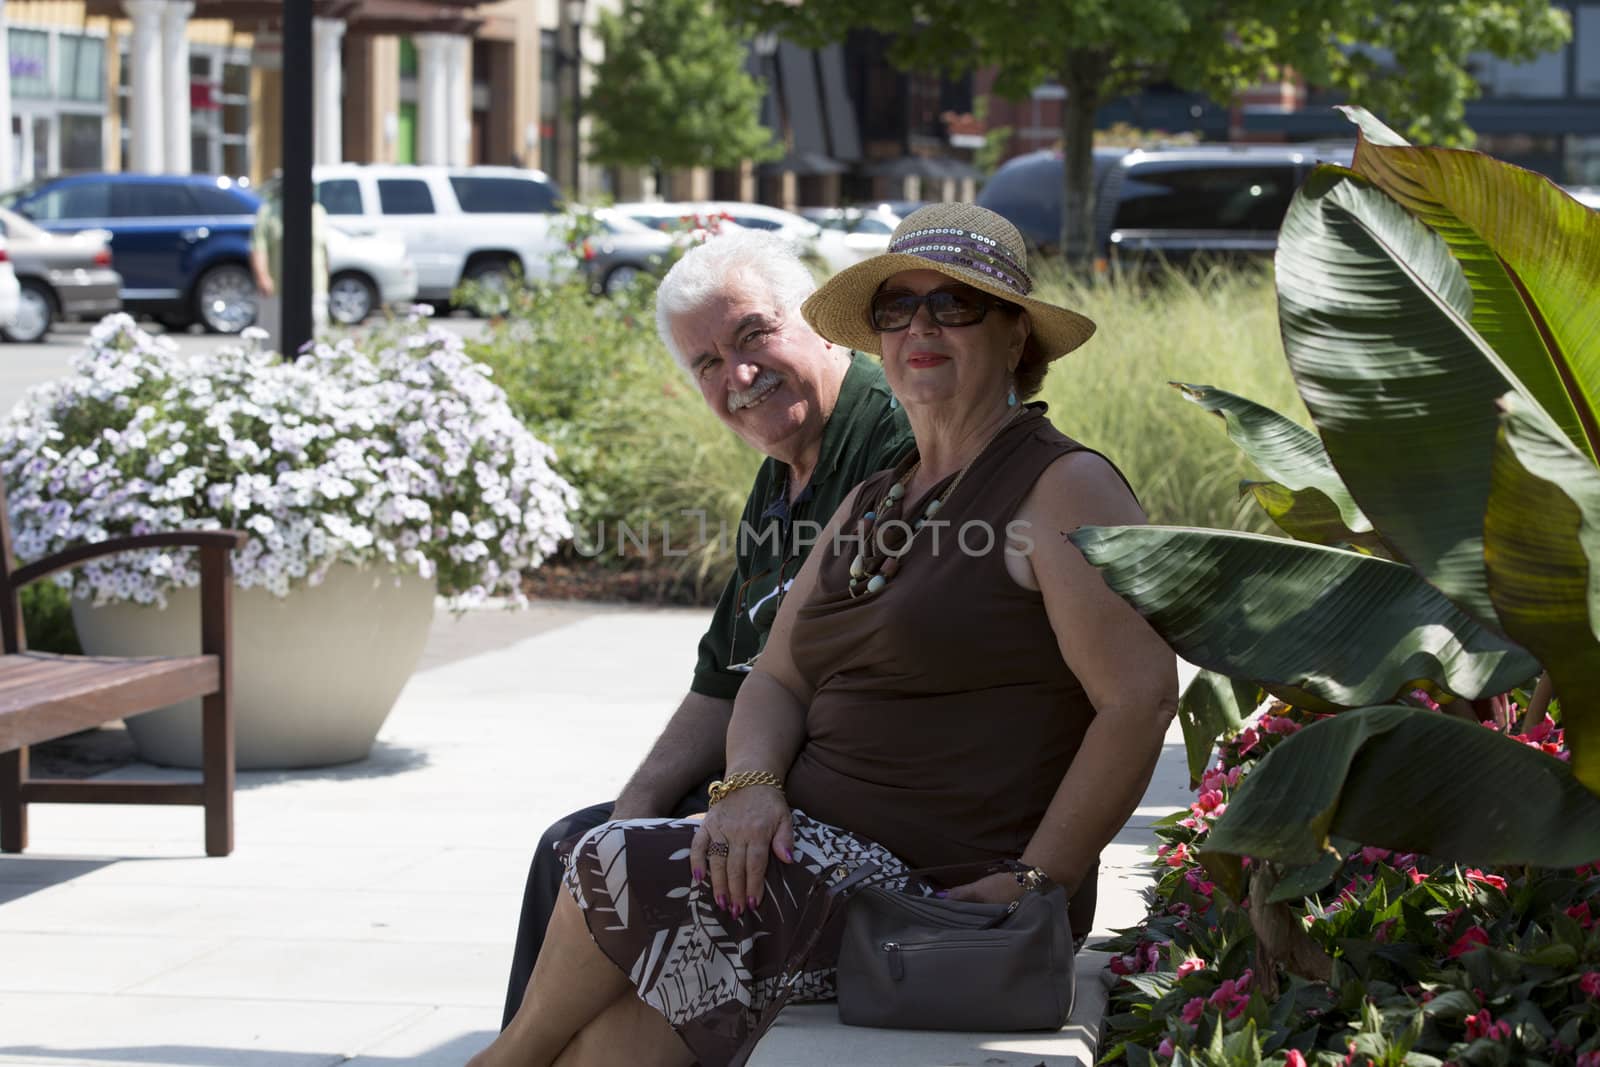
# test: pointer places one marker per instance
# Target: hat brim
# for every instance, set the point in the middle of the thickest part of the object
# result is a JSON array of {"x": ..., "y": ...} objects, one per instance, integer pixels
[{"x": 838, "y": 311}]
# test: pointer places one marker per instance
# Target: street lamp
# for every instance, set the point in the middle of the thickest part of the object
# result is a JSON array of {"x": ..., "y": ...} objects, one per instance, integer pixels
[{"x": 574, "y": 11}]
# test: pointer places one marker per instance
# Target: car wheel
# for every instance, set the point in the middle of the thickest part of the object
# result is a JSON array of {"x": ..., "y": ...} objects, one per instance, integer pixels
[
  {"x": 225, "y": 298},
  {"x": 351, "y": 298},
  {"x": 36, "y": 308},
  {"x": 620, "y": 278},
  {"x": 493, "y": 279}
]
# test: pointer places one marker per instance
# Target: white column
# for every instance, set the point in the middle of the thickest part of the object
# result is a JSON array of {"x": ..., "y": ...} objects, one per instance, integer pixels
[
  {"x": 328, "y": 84},
  {"x": 144, "y": 85},
  {"x": 433, "y": 98},
  {"x": 175, "y": 80},
  {"x": 8, "y": 173},
  {"x": 459, "y": 106}
]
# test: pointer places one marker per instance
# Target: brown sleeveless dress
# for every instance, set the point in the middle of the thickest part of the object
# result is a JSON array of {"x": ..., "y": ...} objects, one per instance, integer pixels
[{"x": 944, "y": 717}]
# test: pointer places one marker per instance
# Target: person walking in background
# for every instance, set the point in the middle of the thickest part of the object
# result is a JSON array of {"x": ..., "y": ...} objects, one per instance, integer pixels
[{"x": 266, "y": 262}]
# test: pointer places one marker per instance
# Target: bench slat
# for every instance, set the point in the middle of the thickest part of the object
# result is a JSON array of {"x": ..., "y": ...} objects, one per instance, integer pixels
[
  {"x": 43, "y": 696},
  {"x": 57, "y": 791}
]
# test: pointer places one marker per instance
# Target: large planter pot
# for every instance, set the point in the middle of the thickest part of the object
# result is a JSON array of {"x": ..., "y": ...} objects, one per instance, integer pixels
[{"x": 314, "y": 674}]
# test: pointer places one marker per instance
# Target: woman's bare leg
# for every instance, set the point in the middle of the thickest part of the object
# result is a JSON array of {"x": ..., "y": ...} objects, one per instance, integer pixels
[
  {"x": 631, "y": 1032},
  {"x": 573, "y": 983}
]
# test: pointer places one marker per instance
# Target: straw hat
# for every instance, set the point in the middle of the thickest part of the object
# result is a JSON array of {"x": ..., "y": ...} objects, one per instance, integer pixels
[{"x": 971, "y": 244}]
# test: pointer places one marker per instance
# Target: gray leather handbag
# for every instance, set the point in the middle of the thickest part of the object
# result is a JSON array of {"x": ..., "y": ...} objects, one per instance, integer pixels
[{"x": 921, "y": 963}]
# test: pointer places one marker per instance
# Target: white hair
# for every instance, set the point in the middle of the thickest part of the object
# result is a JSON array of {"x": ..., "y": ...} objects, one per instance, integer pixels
[{"x": 709, "y": 267}]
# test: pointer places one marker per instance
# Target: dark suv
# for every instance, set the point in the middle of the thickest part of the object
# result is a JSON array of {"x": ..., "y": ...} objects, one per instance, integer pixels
[
  {"x": 180, "y": 241},
  {"x": 1165, "y": 204}
]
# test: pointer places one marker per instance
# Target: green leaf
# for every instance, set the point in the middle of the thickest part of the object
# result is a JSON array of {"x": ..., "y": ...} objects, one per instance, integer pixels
[
  {"x": 1212, "y": 705},
  {"x": 1541, "y": 545},
  {"x": 1298, "y": 883},
  {"x": 1318, "y": 627},
  {"x": 1308, "y": 515},
  {"x": 1529, "y": 251},
  {"x": 1413, "y": 780},
  {"x": 1285, "y": 451},
  {"x": 1403, "y": 391}
]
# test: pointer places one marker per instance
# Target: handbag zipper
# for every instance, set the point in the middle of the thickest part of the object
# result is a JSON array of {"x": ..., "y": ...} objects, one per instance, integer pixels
[{"x": 892, "y": 949}]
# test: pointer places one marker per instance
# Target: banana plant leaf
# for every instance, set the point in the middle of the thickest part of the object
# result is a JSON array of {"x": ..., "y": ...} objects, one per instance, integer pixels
[
  {"x": 1212, "y": 705},
  {"x": 1281, "y": 448},
  {"x": 1403, "y": 391},
  {"x": 1308, "y": 515},
  {"x": 1320, "y": 628},
  {"x": 1542, "y": 547},
  {"x": 1397, "y": 777},
  {"x": 1530, "y": 252}
]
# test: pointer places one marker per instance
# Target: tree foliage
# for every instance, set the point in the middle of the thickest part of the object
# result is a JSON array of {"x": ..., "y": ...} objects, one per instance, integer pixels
[
  {"x": 1402, "y": 59},
  {"x": 672, "y": 90}
]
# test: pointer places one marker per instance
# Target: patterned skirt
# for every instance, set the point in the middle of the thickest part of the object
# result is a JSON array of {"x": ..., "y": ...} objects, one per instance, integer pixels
[{"x": 709, "y": 974}]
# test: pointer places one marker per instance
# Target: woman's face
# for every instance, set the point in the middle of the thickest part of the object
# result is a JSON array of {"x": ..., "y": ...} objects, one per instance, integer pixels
[{"x": 930, "y": 364}]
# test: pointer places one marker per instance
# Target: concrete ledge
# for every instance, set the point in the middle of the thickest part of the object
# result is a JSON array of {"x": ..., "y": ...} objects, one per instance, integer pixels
[{"x": 810, "y": 1034}]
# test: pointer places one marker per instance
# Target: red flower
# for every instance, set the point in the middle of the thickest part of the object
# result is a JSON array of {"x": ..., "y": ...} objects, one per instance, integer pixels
[
  {"x": 1371, "y": 854},
  {"x": 1293, "y": 1058},
  {"x": 1580, "y": 913},
  {"x": 1194, "y": 1010},
  {"x": 1482, "y": 1024},
  {"x": 1475, "y": 938},
  {"x": 1588, "y": 1059},
  {"x": 1248, "y": 740},
  {"x": 1494, "y": 881},
  {"x": 1416, "y": 876},
  {"x": 1280, "y": 725},
  {"x": 1191, "y": 965},
  {"x": 1120, "y": 965},
  {"x": 1590, "y": 984}
]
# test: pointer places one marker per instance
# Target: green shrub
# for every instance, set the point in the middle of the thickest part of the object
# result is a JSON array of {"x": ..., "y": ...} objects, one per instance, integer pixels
[
  {"x": 1220, "y": 328},
  {"x": 47, "y": 619}
]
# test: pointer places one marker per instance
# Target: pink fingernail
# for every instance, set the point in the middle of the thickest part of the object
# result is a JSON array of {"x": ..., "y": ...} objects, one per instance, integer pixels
[
  {"x": 941, "y": 894},
  {"x": 736, "y": 911},
  {"x": 788, "y": 857},
  {"x": 697, "y": 875},
  {"x": 722, "y": 902},
  {"x": 752, "y": 903}
]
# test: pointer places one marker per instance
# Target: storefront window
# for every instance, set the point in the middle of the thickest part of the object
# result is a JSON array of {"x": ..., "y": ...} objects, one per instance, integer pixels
[
  {"x": 30, "y": 64},
  {"x": 82, "y": 72},
  {"x": 82, "y": 142},
  {"x": 1586, "y": 40},
  {"x": 58, "y": 93}
]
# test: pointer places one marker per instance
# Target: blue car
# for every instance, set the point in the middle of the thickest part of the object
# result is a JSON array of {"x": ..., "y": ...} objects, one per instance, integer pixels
[{"x": 180, "y": 241}]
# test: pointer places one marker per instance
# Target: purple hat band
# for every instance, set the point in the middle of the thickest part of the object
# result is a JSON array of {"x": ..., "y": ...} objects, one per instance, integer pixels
[{"x": 965, "y": 248}]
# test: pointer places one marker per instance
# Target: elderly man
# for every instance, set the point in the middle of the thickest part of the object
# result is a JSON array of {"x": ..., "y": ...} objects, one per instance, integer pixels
[{"x": 729, "y": 312}]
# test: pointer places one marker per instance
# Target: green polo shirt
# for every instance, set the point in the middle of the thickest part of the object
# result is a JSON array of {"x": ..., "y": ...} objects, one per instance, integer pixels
[{"x": 863, "y": 435}]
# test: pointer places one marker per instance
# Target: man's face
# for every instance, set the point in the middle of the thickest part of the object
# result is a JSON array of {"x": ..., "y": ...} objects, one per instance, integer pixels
[{"x": 760, "y": 368}]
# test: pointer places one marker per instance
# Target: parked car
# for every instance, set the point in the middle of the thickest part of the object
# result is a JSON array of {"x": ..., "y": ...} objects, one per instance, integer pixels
[
  {"x": 366, "y": 273},
  {"x": 181, "y": 242},
  {"x": 59, "y": 276},
  {"x": 623, "y": 249},
  {"x": 9, "y": 290},
  {"x": 1588, "y": 195},
  {"x": 459, "y": 224},
  {"x": 865, "y": 231},
  {"x": 1164, "y": 204}
]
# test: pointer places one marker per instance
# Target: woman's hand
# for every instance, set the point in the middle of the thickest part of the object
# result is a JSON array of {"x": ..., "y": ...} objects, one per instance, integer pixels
[
  {"x": 749, "y": 822},
  {"x": 1000, "y": 888}
]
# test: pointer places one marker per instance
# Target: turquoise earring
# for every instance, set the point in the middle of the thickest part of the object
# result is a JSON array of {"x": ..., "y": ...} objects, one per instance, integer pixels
[
  {"x": 894, "y": 401},
  {"x": 1011, "y": 397}
]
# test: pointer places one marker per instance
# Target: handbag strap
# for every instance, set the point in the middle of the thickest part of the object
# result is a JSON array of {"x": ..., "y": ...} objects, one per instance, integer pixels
[{"x": 832, "y": 898}]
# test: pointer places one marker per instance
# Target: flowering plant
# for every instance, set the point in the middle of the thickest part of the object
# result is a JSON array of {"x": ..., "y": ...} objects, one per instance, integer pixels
[
  {"x": 1431, "y": 963},
  {"x": 400, "y": 452}
]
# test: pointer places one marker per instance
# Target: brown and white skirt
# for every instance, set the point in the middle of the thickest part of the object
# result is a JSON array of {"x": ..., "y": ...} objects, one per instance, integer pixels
[{"x": 709, "y": 974}]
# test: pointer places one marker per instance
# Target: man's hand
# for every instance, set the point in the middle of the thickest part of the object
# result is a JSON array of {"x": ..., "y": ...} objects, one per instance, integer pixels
[
  {"x": 1000, "y": 888},
  {"x": 265, "y": 287}
]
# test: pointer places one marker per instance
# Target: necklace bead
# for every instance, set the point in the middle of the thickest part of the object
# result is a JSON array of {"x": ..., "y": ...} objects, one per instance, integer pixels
[{"x": 877, "y": 583}]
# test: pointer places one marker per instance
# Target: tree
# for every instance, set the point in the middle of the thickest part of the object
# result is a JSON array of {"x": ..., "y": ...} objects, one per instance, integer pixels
[
  {"x": 672, "y": 90},
  {"x": 1099, "y": 50}
]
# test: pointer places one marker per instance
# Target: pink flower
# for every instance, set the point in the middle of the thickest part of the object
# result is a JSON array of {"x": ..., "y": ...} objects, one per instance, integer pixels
[
  {"x": 1248, "y": 740},
  {"x": 1191, "y": 965},
  {"x": 1213, "y": 781},
  {"x": 1371, "y": 854},
  {"x": 1293, "y": 1058},
  {"x": 1150, "y": 957},
  {"x": 1177, "y": 856},
  {"x": 1482, "y": 1024},
  {"x": 1417, "y": 877},
  {"x": 1475, "y": 938},
  {"x": 1588, "y": 1059},
  {"x": 1120, "y": 965},
  {"x": 1209, "y": 800},
  {"x": 1590, "y": 984},
  {"x": 1194, "y": 1010},
  {"x": 1165, "y": 1049},
  {"x": 1494, "y": 881},
  {"x": 1580, "y": 913},
  {"x": 1279, "y": 724},
  {"x": 1421, "y": 697}
]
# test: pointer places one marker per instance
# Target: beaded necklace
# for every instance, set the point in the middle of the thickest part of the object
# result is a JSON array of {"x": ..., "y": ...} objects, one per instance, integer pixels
[{"x": 870, "y": 573}]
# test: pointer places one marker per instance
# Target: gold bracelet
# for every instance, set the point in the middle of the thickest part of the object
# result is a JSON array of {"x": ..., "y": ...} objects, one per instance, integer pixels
[
  {"x": 720, "y": 789},
  {"x": 1032, "y": 879}
]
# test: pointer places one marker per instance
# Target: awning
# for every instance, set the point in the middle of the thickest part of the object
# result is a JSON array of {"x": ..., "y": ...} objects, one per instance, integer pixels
[{"x": 805, "y": 164}]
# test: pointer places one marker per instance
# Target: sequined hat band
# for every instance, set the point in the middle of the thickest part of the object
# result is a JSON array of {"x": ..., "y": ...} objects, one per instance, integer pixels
[{"x": 964, "y": 248}]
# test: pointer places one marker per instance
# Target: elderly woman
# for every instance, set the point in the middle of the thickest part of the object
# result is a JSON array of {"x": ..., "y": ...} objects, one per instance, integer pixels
[{"x": 947, "y": 681}]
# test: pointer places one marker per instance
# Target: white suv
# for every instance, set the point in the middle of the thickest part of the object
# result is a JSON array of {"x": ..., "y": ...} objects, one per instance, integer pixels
[{"x": 459, "y": 224}]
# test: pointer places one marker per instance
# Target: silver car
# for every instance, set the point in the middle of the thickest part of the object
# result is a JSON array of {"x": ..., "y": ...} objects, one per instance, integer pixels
[{"x": 60, "y": 276}]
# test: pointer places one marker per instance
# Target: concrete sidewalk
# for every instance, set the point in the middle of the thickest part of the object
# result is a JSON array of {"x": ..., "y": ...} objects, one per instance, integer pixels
[{"x": 368, "y": 913}]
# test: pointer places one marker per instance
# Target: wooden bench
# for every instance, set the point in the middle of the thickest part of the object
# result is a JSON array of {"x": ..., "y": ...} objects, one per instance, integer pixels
[{"x": 45, "y": 696}]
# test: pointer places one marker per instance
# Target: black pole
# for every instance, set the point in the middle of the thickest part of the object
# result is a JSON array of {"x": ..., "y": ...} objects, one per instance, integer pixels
[{"x": 298, "y": 118}]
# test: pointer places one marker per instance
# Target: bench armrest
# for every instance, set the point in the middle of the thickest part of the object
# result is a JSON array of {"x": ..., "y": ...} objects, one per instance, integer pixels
[{"x": 71, "y": 557}]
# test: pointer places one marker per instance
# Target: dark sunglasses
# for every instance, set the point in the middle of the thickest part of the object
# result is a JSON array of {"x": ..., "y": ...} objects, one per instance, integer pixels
[
  {"x": 893, "y": 309},
  {"x": 740, "y": 604}
]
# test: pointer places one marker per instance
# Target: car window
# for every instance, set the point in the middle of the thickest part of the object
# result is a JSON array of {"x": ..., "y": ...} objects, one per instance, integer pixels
[
  {"x": 212, "y": 200},
  {"x": 483, "y": 196},
  {"x": 872, "y": 225},
  {"x": 1198, "y": 196},
  {"x": 80, "y": 200},
  {"x": 751, "y": 222},
  {"x": 404, "y": 196},
  {"x": 142, "y": 200},
  {"x": 1027, "y": 192},
  {"x": 340, "y": 196}
]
